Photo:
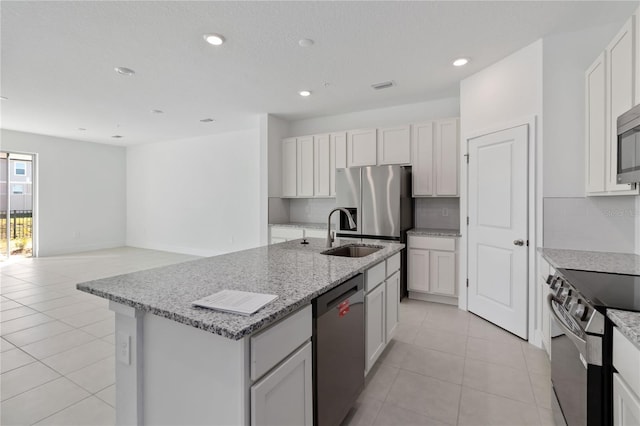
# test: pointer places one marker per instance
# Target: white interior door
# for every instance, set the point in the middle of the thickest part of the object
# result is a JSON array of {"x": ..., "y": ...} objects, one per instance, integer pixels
[{"x": 497, "y": 234}]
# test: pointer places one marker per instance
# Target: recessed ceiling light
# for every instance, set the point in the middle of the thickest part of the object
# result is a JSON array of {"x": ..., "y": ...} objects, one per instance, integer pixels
[
  {"x": 460, "y": 62},
  {"x": 124, "y": 71},
  {"x": 214, "y": 39},
  {"x": 117, "y": 136},
  {"x": 207, "y": 120},
  {"x": 383, "y": 85},
  {"x": 305, "y": 42},
  {"x": 304, "y": 93},
  {"x": 3, "y": 98},
  {"x": 157, "y": 111}
]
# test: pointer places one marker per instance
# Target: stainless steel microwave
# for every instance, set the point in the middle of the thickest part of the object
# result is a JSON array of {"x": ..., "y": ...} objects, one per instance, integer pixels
[{"x": 629, "y": 146}]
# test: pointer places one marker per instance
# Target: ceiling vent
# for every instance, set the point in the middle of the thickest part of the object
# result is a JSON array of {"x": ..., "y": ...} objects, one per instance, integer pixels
[{"x": 383, "y": 85}]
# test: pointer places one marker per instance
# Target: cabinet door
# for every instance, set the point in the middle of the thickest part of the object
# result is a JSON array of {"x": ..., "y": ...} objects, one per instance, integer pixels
[
  {"x": 338, "y": 156},
  {"x": 289, "y": 167},
  {"x": 322, "y": 166},
  {"x": 284, "y": 396},
  {"x": 422, "y": 170},
  {"x": 392, "y": 308},
  {"x": 596, "y": 131},
  {"x": 626, "y": 404},
  {"x": 394, "y": 145},
  {"x": 361, "y": 148},
  {"x": 442, "y": 265},
  {"x": 446, "y": 158},
  {"x": 620, "y": 87},
  {"x": 418, "y": 270},
  {"x": 375, "y": 324},
  {"x": 305, "y": 166}
]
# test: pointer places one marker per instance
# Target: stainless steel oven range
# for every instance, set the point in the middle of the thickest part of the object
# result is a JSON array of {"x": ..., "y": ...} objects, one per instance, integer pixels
[{"x": 581, "y": 360}]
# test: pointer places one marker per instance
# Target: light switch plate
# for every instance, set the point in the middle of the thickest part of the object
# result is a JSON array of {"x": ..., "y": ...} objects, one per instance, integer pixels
[{"x": 123, "y": 348}]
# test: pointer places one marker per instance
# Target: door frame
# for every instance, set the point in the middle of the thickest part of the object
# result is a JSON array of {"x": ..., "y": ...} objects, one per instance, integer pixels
[{"x": 534, "y": 218}]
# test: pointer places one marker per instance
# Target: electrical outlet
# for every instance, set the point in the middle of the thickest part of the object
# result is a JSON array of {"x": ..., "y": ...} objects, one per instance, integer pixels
[
  {"x": 123, "y": 348},
  {"x": 445, "y": 211}
]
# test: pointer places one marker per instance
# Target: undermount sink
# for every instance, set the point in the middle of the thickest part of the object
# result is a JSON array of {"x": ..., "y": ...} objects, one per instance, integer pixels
[{"x": 352, "y": 250}]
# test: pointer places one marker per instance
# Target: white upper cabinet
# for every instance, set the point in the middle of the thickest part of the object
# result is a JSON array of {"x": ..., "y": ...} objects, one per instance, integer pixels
[
  {"x": 422, "y": 143},
  {"x": 305, "y": 166},
  {"x": 596, "y": 129},
  {"x": 435, "y": 148},
  {"x": 446, "y": 158},
  {"x": 289, "y": 167},
  {"x": 620, "y": 93},
  {"x": 609, "y": 92},
  {"x": 323, "y": 166},
  {"x": 338, "y": 156},
  {"x": 361, "y": 148},
  {"x": 394, "y": 145}
]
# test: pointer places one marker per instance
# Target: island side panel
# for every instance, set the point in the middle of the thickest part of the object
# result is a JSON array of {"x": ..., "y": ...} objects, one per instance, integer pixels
[
  {"x": 129, "y": 359},
  {"x": 194, "y": 377}
]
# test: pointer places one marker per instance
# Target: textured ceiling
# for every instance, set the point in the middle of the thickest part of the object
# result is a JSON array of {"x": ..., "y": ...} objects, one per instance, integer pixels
[{"x": 57, "y": 59}]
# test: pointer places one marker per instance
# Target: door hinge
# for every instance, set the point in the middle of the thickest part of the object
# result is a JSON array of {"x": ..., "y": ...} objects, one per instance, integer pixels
[
  {"x": 467, "y": 155},
  {"x": 527, "y": 243},
  {"x": 467, "y": 282},
  {"x": 467, "y": 220}
]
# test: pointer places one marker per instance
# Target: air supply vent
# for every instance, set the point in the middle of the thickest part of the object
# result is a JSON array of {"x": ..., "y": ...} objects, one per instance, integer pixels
[{"x": 383, "y": 85}]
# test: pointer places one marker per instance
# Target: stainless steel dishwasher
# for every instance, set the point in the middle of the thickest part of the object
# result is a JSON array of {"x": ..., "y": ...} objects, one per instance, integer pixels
[{"x": 338, "y": 351}]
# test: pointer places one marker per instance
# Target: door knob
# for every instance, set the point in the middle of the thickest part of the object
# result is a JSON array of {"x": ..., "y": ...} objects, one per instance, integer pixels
[{"x": 518, "y": 242}]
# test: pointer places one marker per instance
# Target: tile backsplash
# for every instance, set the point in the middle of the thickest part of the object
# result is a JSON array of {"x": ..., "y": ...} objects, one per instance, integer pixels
[
  {"x": 590, "y": 223},
  {"x": 441, "y": 213},
  {"x": 310, "y": 210}
]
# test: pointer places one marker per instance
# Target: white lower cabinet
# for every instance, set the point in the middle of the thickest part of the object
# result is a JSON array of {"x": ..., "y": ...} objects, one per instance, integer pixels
[
  {"x": 376, "y": 326},
  {"x": 285, "y": 395},
  {"x": 381, "y": 306},
  {"x": 626, "y": 404},
  {"x": 392, "y": 309},
  {"x": 626, "y": 382},
  {"x": 432, "y": 268},
  {"x": 281, "y": 234}
]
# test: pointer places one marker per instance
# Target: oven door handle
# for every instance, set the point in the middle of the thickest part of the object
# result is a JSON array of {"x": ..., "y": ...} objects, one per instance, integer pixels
[{"x": 578, "y": 341}]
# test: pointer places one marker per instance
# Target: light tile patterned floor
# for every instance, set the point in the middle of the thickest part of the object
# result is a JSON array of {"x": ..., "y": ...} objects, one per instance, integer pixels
[
  {"x": 57, "y": 359},
  {"x": 450, "y": 367},
  {"x": 445, "y": 366}
]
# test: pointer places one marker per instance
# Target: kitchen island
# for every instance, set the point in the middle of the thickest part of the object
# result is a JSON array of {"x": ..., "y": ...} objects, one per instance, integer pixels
[{"x": 177, "y": 364}]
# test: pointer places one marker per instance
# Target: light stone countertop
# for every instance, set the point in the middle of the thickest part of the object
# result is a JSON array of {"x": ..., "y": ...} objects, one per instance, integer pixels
[
  {"x": 618, "y": 263},
  {"x": 434, "y": 232},
  {"x": 628, "y": 323},
  {"x": 302, "y": 225},
  {"x": 296, "y": 273}
]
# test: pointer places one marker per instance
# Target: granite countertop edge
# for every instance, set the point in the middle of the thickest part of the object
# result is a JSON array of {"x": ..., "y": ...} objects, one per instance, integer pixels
[
  {"x": 303, "y": 225},
  {"x": 434, "y": 232},
  {"x": 628, "y": 323},
  {"x": 217, "y": 326},
  {"x": 617, "y": 263}
]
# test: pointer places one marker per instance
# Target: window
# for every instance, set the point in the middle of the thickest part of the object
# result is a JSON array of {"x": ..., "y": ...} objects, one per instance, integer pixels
[
  {"x": 20, "y": 168},
  {"x": 17, "y": 189}
]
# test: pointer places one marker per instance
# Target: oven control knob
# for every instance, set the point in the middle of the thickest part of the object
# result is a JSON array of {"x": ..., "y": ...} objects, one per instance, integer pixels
[
  {"x": 549, "y": 279},
  {"x": 581, "y": 312},
  {"x": 565, "y": 292},
  {"x": 555, "y": 283}
]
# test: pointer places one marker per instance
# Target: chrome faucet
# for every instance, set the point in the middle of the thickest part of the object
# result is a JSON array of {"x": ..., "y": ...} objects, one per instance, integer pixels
[{"x": 352, "y": 224}]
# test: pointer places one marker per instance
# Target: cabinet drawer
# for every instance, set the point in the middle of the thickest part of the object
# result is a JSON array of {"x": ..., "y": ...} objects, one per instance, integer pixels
[
  {"x": 626, "y": 359},
  {"x": 374, "y": 276},
  {"x": 315, "y": 233},
  {"x": 273, "y": 345},
  {"x": 288, "y": 233},
  {"x": 393, "y": 264},
  {"x": 433, "y": 243}
]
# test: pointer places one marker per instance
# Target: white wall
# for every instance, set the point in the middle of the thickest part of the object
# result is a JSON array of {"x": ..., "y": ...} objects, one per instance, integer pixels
[
  {"x": 401, "y": 114},
  {"x": 198, "y": 196},
  {"x": 80, "y": 192},
  {"x": 503, "y": 95}
]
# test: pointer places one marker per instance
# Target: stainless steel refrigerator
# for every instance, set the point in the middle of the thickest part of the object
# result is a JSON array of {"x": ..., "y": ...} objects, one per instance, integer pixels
[{"x": 379, "y": 199}]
